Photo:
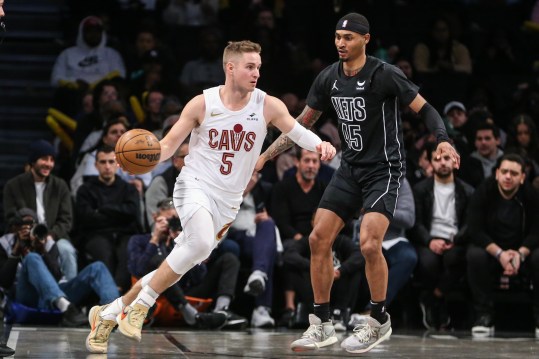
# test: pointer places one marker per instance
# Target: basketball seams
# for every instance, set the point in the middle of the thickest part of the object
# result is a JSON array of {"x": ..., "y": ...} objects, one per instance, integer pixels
[{"x": 126, "y": 151}]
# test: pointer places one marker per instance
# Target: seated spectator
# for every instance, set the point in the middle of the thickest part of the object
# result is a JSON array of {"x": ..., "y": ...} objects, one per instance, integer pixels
[
  {"x": 90, "y": 61},
  {"x": 458, "y": 127},
  {"x": 80, "y": 67},
  {"x": 399, "y": 253},
  {"x": 153, "y": 117},
  {"x": 147, "y": 40},
  {"x": 256, "y": 235},
  {"x": 440, "y": 52},
  {"x": 108, "y": 213},
  {"x": 207, "y": 69},
  {"x": 162, "y": 186},
  {"x": 481, "y": 162},
  {"x": 293, "y": 202},
  {"x": 105, "y": 102},
  {"x": 147, "y": 251},
  {"x": 111, "y": 133},
  {"x": 347, "y": 264},
  {"x": 439, "y": 235},
  {"x": 48, "y": 195},
  {"x": 503, "y": 224},
  {"x": 29, "y": 271},
  {"x": 524, "y": 140},
  {"x": 295, "y": 198}
]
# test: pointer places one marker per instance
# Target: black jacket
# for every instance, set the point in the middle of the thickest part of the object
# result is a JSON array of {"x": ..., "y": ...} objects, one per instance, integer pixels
[
  {"x": 424, "y": 202},
  {"x": 482, "y": 209},
  {"x": 102, "y": 209}
]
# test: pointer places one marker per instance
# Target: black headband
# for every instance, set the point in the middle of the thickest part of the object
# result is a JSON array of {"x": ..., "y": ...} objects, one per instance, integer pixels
[{"x": 346, "y": 24}]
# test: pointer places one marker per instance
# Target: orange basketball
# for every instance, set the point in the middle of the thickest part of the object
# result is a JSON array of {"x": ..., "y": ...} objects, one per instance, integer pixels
[{"x": 138, "y": 151}]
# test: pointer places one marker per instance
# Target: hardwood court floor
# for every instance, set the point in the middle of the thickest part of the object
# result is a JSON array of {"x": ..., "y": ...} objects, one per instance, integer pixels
[{"x": 59, "y": 343}]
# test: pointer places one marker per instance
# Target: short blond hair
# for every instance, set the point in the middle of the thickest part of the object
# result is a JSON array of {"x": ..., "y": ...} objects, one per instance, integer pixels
[{"x": 235, "y": 48}]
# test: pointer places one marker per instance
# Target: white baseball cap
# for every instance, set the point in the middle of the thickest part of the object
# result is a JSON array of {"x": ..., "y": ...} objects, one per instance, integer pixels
[{"x": 454, "y": 104}]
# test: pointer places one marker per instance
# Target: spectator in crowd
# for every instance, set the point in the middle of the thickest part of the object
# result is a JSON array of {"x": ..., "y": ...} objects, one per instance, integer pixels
[
  {"x": 524, "y": 141},
  {"x": 29, "y": 271},
  {"x": 347, "y": 264},
  {"x": 293, "y": 202},
  {"x": 481, "y": 162},
  {"x": 207, "y": 69},
  {"x": 256, "y": 235},
  {"x": 105, "y": 102},
  {"x": 399, "y": 253},
  {"x": 458, "y": 127},
  {"x": 48, "y": 195},
  {"x": 78, "y": 68},
  {"x": 113, "y": 129},
  {"x": 441, "y": 52},
  {"x": 111, "y": 133},
  {"x": 147, "y": 251},
  {"x": 108, "y": 213},
  {"x": 439, "y": 235},
  {"x": 90, "y": 60},
  {"x": 146, "y": 40},
  {"x": 153, "y": 117},
  {"x": 296, "y": 197},
  {"x": 503, "y": 223}
]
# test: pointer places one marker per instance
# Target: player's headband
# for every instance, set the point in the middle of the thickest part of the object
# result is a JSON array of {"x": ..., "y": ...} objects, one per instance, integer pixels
[{"x": 350, "y": 25}]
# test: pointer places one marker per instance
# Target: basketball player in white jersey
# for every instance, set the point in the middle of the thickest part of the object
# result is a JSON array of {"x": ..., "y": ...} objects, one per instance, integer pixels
[{"x": 227, "y": 126}]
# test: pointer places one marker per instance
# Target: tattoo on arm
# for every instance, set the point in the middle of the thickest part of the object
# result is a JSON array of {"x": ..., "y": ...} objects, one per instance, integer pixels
[{"x": 307, "y": 119}]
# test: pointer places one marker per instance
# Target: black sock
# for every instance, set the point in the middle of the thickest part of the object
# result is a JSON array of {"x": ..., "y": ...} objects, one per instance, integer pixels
[
  {"x": 378, "y": 311},
  {"x": 322, "y": 311}
]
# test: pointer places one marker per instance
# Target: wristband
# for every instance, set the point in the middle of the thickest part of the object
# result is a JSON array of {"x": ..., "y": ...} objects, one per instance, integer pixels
[
  {"x": 522, "y": 256},
  {"x": 498, "y": 254}
]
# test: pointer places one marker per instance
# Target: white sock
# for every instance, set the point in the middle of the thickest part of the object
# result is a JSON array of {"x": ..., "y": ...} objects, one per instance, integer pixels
[
  {"x": 146, "y": 297},
  {"x": 189, "y": 313},
  {"x": 223, "y": 301},
  {"x": 113, "y": 309},
  {"x": 62, "y": 303}
]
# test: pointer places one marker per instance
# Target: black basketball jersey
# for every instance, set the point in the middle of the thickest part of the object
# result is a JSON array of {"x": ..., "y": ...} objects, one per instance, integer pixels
[{"x": 367, "y": 107}]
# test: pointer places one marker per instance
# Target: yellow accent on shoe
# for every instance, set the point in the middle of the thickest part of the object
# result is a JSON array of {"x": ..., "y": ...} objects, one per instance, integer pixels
[
  {"x": 98, "y": 339},
  {"x": 130, "y": 322}
]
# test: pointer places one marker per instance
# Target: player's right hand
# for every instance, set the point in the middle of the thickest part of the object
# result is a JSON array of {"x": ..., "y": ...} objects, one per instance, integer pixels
[{"x": 326, "y": 150}]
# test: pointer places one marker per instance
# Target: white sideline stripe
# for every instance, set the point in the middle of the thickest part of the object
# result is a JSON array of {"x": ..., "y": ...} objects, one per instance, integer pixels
[{"x": 12, "y": 341}]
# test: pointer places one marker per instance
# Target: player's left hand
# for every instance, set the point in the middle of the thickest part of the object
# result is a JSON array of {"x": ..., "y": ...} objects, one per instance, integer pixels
[
  {"x": 260, "y": 163},
  {"x": 326, "y": 150},
  {"x": 445, "y": 147}
]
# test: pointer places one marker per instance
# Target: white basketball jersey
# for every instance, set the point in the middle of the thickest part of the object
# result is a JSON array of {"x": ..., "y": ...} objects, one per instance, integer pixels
[{"x": 224, "y": 149}]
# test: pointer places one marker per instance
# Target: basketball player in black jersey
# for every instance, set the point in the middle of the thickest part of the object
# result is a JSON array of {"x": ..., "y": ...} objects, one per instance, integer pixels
[{"x": 366, "y": 95}]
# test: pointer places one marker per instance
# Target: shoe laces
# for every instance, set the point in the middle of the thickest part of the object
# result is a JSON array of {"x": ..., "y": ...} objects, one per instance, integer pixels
[
  {"x": 137, "y": 317},
  {"x": 364, "y": 332},
  {"x": 314, "y": 331},
  {"x": 103, "y": 330}
]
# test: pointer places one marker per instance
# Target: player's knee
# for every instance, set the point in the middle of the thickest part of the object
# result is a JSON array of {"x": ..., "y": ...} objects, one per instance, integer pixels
[
  {"x": 318, "y": 243},
  {"x": 370, "y": 248},
  {"x": 201, "y": 247}
]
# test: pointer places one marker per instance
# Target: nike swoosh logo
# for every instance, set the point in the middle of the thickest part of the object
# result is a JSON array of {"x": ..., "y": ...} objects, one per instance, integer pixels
[{"x": 215, "y": 114}]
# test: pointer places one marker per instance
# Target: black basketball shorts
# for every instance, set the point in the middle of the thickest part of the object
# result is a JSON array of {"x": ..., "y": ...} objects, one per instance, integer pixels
[{"x": 354, "y": 189}]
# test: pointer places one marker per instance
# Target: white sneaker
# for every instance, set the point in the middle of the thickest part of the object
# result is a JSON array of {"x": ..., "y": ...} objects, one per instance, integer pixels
[
  {"x": 256, "y": 284},
  {"x": 317, "y": 336},
  {"x": 261, "y": 318},
  {"x": 367, "y": 335},
  {"x": 338, "y": 321}
]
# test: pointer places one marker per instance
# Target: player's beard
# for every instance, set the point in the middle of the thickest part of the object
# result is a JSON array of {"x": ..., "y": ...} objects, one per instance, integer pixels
[{"x": 443, "y": 172}]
